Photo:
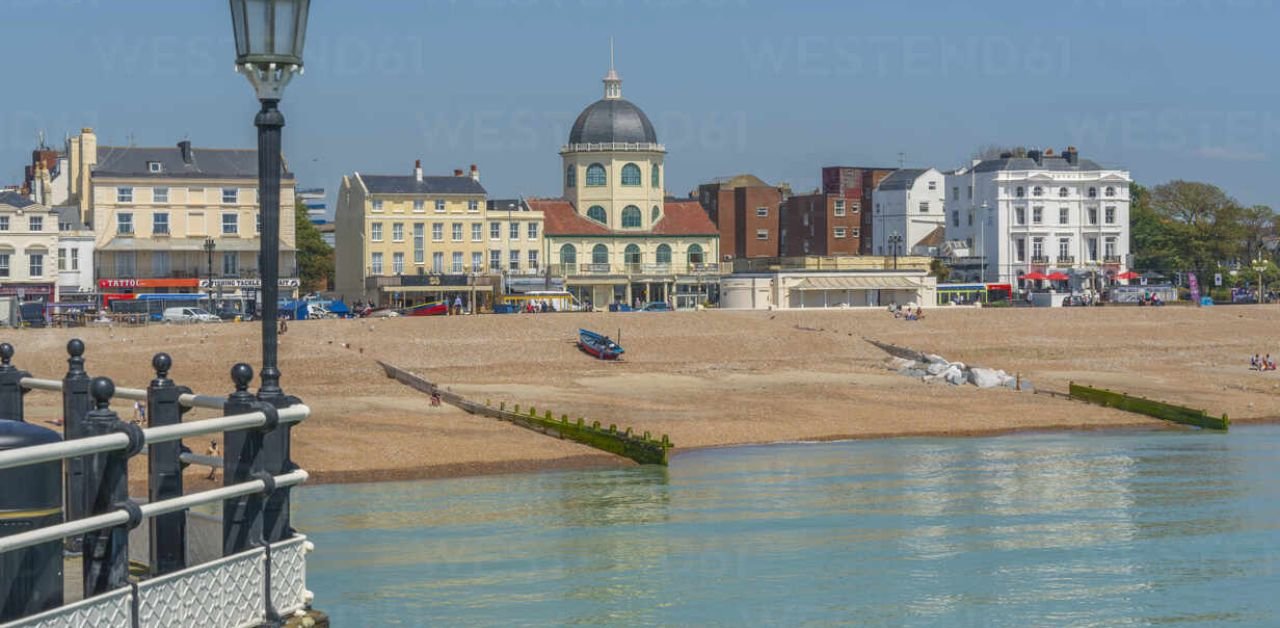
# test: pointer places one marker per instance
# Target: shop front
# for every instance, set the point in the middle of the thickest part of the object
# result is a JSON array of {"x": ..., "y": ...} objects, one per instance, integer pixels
[
  {"x": 29, "y": 292},
  {"x": 476, "y": 292}
]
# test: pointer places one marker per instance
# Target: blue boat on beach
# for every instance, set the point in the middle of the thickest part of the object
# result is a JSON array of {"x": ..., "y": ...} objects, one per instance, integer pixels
[{"x": 598, "y": 346}]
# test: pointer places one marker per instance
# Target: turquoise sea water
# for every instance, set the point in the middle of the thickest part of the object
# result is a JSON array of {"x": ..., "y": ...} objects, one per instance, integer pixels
[{"x": 1102, "y": 528}]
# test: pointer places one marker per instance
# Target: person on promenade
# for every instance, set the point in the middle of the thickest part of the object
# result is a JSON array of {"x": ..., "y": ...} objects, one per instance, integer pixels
[
  {"x": 139, "y": 413},
  {"x": 212, "y": 451},
  {"x": 457, "y": 305}
]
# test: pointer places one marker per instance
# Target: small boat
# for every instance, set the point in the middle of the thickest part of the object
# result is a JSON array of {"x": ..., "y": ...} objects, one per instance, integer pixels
[
  {"x": 434, "y": 308},
  {"x": 598, "y": 346}
]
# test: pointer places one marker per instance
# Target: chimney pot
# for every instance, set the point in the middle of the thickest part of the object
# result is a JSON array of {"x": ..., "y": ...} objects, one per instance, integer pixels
[
  {"x": 457, "y": 172},
  {"x": 185, "y": 147},
  {"x": 417, "y": 170}
]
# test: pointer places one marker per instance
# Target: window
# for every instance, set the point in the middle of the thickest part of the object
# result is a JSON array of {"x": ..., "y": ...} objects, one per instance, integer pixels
[
  {"x": 124, "y": 195},
  {"x": 762, "y": 234},
  {"x": 4, "y": 264},
  {"x": 495, "y": 231},
  {"x": 456, "y": 267},
  {"x": 75, "y": 259},
  {"x": 631, "y": 175},
  {"x": 1109, "y": 247},
  {"x": 1020, "y": 250},
  {"x": 695, "y": 254},
  {"x": 971, "y": 191},
  {"x": 477, "y": 261},
  {"x": 568, "y": 254},
  {"x": 1037, "y": 215},
  {"x": 439, "y": 205},
  {"x": 533, "y": 231},
  {"x": 571, "y": 177},
  {"x": 664, "y": 254},
  {"x": 854, "y": 232},
  {"x": 1111, "y": 215},
  {"x": 35, "y": 263},
  {"x": 419, "y": 243},
  {"x": 477, "y": 231},
  {"x": 397, "y": 232},
  {"x": 595, "y": 176},
  {"x": 632, "y": 256},
  {"x": 1064, "y": 248},
  {"x": 419, "y": 205},
  {"x": 126, "y": 264},
  {"x": 437, "y": 232},
  {"x": 124, "y": 223},
  {"x": 36, "y": 223},
  {"x": 160, "y": 223},
  {"x": 230, "y": 224},
  {"x": 513, "y": 260},
  {"x": 473, "y": 206},
  {"x": 1093, "y": 192},
  {"x": 631, "y": 217},
  {"x": 532, "y": 256},
  {"x": 160, "y": 195},
  {"x": 257, "y": 222},
  {"x": 955, "y": 218},
  {"x": 970, "y": 218},
  {"x": 4, "y": 223},
  {"x": 154, "y": 167},
  {"x": 230, "y": 196},
  {"x": 654, "y": 177},
  {"x": 377, "y": 204},
  {"x": 1062, "y": 192},
  {"x": 763, "y": 212},
  {"x": 597, "y": 214},
  {"x": 655, "y": 214},
  {"x": 375, "y": 231},
  {"x": 159, "y": 263},
  {"x": 839, "y": 207},
  {"x": 1110, "y": 191},
  {"x": 1093, "y": 249},
  {"x": 397, "y": 263},
  {"x": 456, "y": 231},
  {"x": 230, "y": 263},
  {"x": 924, "y": 207},
  {"x": 1093, "y": 215},
  {"x": 437, "y": 262},
  {"x": 955, "y": 192},
  {"x": 1020, "y": 215},
  {"x": 375, "y": 264},
  {"x": 513, "y": 231},
  {"x": 1064, "y": 215},
  {"x": 62, "y": 259},
  {"x": 839, "y": 232},
  {"x": 1037, "y": 248},
  {"x": 599, "y": 254},
  {"x": 1037, "y": 191},
  {"x": 495, "y": 260},
  {"x": 1020, "y": 192}
]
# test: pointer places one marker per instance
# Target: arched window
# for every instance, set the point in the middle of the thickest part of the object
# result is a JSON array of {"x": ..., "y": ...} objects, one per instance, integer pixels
[
  {"x": 1111, "y": 191},
  {"x": 631, "y": 217},
  {"x": 600, "y": 254},
  {"x": 1062, "y": 192},
  {"x": 631, "y": 174},
  {"x": 571, "y": 177},
  {"x": 1037, "y": 191},
  {"x": 598, "y": 214},
  {"x": 655, "y": 214},
  {"x": 568, "y": 254},
  {"x": 664, "y": 254},
  {"x": 631, "y": 254},
  {"x": 596, "y": 176},
  {"x": 655, "y": 178},
  {"x": 695, "y": 254}
]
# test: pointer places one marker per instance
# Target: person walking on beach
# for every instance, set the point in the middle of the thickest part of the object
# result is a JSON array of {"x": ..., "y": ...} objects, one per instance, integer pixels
[
  {"x": 139, "y": 413},
  {"x": 212, "y": 451}
]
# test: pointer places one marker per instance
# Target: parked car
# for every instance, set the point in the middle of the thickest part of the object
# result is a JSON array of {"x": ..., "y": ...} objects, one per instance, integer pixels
[
  {"x": 189, "y": 315},
  {"x": 657, "y": 306}
]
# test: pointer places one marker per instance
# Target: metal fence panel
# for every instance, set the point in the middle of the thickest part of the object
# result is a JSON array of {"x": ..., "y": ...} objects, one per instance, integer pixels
[
  {"x": 225, "y": 592},
  {"x": 109, "y": 610},
  {"x": 289, "y": 575}
]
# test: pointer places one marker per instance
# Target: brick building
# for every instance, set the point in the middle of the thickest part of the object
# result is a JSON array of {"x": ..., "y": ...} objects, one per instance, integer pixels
[
  {"x": 820, "y": 224},
  {"x": 856, "y": 184},
  {"x": 745, "y": 211}
]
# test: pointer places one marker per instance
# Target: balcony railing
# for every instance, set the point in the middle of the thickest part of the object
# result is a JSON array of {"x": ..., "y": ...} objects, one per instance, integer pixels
[
  {"x": 1066, "y": 259},
  {"x": 1111, "y": 259},
  {"x": 1039, "y": 259},
  {"x": 613, "y": 146}
]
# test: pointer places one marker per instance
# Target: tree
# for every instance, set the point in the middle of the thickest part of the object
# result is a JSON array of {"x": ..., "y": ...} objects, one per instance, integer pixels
[
  {"x": 315, "y": 257},
  {"x": 939, "y": 269},
  {"x": 1205, "y": 225},
  {"x": 1155, "y": 245}
]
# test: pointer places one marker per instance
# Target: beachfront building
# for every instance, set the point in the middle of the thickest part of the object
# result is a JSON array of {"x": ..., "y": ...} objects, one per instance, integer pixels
[
  {"x": 177, "y": 219},
  {"x": 614, "y": 235},
  {"x": 746, "y": 211},
  {"x": 820, "y": 224},
  {"x": 908, "y": 217},
  {"x": 28, "y": 244},
  {"x": 856, "y": 184},
  {"x": 1038, "y": 212},
  {"x": 816, "y": 282},
  {"x": 404, "y": 240},
  {"x": 76, "y": 281}
]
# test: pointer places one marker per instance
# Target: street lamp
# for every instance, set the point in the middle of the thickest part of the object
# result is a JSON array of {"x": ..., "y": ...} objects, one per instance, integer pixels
[
  {"x": 209, "y": 245},
  {"x": 1260, "y": 265},
  {"x": 982, "y": 240},
  {"x": 269, "y": 38},
  {"x": 895, "y": 241}
]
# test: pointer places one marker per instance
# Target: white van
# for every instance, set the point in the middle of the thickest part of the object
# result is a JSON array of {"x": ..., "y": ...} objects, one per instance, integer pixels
[{"x": 189, "y": 315}]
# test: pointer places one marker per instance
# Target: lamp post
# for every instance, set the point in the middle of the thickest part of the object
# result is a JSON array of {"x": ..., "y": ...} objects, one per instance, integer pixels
[
  {"x": 895, "y": 241},
  {"x": 209, "y": 245},
  {"x": 982, "y": 240},
  {"x": 269, "y": 38},
  {"x": 1260, "y": 265}
]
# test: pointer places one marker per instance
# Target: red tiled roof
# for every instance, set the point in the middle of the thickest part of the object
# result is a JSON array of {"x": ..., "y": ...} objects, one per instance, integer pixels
[{"x": 679, "y": 218}]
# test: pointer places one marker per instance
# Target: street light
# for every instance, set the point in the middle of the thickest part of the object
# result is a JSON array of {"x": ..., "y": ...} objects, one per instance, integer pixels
[
  {"x": 895, "y": 241},
  {"x": 269, "y": 38},
  {"x": 1260, "y": 265},
  {"x": 209, "y": 245}
]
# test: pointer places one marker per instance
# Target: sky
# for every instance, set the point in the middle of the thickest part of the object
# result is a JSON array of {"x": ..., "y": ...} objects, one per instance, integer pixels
[{"x": 1168, "y": 89}]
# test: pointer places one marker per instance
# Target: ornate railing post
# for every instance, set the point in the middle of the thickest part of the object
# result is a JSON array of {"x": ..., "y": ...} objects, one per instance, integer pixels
[
  {"x": 76, "y": 403},
  {"x": 241, "y": 462},
  {"x": 11, "y": 390},
  {"x": 164, "y": 470},
  {"x": 106, "y": 481},
  {"x": 276, "y": 460}
]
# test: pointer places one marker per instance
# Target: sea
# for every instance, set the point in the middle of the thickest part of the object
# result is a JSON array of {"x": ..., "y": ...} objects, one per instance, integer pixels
[{"x": 1106, "y": 528}]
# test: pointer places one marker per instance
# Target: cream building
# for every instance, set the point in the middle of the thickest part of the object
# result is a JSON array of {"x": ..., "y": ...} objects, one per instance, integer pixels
[
  {"x": 28, "y": 249},
  {"x": 614, "y": 235},
  {"x": 404, "y": 240},
  {"x": 152, "y": 210}
]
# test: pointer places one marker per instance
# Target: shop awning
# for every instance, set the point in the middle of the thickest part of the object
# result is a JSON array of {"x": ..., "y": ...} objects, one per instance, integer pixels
[
  {"x": 858, "y": 283},
  {"x": 438, "y": 289}
]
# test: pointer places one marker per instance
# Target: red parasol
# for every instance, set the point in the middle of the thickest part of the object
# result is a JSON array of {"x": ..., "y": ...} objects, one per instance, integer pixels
[
  {"x": 1034, "y": 276},
  {"x": 1058, "y": 276},
  {"x": 1127, "y": 275}
]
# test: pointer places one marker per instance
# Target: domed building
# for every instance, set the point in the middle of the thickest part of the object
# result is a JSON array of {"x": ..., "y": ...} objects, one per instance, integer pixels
[{"x": 614, "y": 235}]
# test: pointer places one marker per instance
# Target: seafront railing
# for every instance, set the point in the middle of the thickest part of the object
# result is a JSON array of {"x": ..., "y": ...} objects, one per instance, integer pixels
[{"x": 47, "y": 515}]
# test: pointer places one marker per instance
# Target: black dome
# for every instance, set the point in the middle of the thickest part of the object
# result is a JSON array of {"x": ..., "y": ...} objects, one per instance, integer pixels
[{"x": 612, "y": 120}]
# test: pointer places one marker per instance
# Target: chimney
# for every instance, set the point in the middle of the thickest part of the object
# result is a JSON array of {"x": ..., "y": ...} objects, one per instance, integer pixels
[
  {"x": 1034, "y": 155},
  {"x": 1048, "y": 152},
  {"x": 1071, "y": 155},
  {"x": 457, "y": 172},
  {"x": 475, "y": 173},
  {"x": 417, "y": 170},
  {"x": 185, "y": 147}
]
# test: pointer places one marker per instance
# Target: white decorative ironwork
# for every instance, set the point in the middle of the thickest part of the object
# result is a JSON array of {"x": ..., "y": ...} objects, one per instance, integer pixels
[
  {"x": 225, "y": 592},
  {"x": 109, "y": 610},
  {"x": 289, "y": 575}
]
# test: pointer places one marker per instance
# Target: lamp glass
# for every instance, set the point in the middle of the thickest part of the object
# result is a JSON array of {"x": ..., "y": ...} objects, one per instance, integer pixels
[{"x": 269, "y": 31}]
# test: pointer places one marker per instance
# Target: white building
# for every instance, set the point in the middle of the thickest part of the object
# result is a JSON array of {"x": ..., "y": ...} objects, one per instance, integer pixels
[
  {"x": 908, "y": 205},
  {"x": 76, "y": 280},
  {"x": 28, "y": 239},
  {"x": 1044, "y": 213}
]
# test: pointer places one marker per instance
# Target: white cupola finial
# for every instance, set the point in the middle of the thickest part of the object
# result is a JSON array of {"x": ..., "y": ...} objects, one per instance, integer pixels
[{"x": 612, "y": 83}]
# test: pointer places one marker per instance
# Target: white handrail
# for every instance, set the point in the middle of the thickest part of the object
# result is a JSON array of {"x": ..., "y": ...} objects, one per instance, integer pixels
[
  {"x": 189, "y": 400},
  {"x": 121, "y": 517},
  {"x": 165, "y": 433}
]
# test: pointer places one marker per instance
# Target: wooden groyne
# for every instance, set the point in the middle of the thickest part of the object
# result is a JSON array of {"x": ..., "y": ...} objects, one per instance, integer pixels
[
  {"x": 1148, "y": 407},
  {"x": 642, "y": 448}
]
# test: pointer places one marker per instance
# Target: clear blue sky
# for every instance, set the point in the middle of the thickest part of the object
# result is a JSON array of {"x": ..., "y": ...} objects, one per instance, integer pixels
[{"x": 1166, "y": 88}]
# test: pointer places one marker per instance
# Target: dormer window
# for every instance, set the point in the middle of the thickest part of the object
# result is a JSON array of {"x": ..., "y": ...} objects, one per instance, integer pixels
[{"x": 155, "y": 167}]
